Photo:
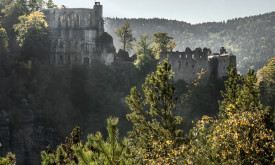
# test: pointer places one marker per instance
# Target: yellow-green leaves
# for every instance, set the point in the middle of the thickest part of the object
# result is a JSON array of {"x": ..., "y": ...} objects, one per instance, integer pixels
[{"x": 30, "y": 26}]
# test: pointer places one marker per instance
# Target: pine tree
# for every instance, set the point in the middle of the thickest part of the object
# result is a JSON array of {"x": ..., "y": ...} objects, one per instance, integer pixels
[
  {"x": 9, "y": 159},
  {"x": 112, "y": 151},
  {"x": 153, "y": 113},
  {"x": 232, "y": 87},
  {"x": 64, "y": 153}
]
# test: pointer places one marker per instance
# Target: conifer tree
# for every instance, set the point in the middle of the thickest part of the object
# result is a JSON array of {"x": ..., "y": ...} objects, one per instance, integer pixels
[
  {"x": 112, "y": 151},
  {"x": 64, "y": 153},
  {"x": 232, "y": 87},
  {"x": 8, "y": 160},
  {"x": 153, "y": 111}
]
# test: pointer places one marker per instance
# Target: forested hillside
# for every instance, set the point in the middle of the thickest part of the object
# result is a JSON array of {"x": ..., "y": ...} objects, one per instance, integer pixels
[{"x": 252, "y": 39}]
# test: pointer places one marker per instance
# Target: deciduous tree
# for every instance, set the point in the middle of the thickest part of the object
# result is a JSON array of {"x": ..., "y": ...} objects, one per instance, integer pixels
[
  {"x": 241, "y": 134},
  {"x": 3, "y": 42},
  {"x": 125, "y": 35},
  {"x": 33, "y": 36}
]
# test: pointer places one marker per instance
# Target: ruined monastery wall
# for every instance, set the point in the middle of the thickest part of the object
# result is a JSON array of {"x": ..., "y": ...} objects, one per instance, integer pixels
[
  {"x": 186, "y": 65},
  {"x": 75, "y": 35}
]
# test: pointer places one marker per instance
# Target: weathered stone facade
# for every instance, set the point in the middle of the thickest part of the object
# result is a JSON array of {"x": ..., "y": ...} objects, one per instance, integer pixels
[
  {"x": 77, "y": 36},
  {"x": 186, "y": 65}
]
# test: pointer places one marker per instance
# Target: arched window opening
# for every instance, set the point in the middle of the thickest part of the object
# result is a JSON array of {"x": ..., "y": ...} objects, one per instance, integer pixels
[{"x": 86, "y": 61}]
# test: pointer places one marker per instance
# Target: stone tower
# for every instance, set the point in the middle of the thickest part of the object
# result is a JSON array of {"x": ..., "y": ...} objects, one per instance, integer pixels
[{"x": 77, "y": 36}]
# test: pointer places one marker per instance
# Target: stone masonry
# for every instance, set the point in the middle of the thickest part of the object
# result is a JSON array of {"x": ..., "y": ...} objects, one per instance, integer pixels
[
  {"x": 186, "y": 65},
  {"x": 77, "y": 36}
]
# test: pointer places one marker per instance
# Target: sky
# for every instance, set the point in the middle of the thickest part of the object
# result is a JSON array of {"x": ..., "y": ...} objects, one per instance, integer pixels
[{"x": 191, "y": 11}]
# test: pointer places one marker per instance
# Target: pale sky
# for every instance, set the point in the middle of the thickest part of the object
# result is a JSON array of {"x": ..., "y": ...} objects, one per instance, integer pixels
[{"x": 191, "y": 11}]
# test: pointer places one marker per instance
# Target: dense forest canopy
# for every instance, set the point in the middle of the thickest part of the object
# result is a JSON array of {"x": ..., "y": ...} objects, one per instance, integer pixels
[
  {"x": 41, "y": 103},
  {"x": 251, "y": 39}
]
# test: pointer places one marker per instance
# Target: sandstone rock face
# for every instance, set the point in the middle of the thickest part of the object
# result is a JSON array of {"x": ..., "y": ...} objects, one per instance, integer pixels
[{"x": 77, "y": 36}]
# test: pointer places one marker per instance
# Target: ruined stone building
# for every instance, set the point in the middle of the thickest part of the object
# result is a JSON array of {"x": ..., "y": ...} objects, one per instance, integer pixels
[
  {"x": 186, "y": 65},
  {"x": 77, "y": 36}
]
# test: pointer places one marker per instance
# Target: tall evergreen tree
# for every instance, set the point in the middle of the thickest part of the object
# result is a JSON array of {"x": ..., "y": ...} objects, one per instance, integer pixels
[
  {"x": 64, "y": 153},
  {"x": 153, "y": 114},
  {"x": 113, "y": 151}
]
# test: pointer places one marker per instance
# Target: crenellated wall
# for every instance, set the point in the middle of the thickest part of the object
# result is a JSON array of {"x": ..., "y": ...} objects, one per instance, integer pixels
[
  {"x": 186, "y": 65},
  {"x": 75, "y": 34}
]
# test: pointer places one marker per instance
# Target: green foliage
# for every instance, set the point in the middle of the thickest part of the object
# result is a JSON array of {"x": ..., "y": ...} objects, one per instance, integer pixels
[
  {"x": 64, "y": 153},
  {"x": 112, "y": 151},
  {"x": 199, "y": 98},
  {"x": 30, "y": 26},
  {"x": 35, "y": 5},
  {"x": 143, "y": 45},
  {"x": 51, "y": 5},
  {"x": 96, "y": 151},
  {"x": 162, "y": 44},
  {"x": 11, "y": 10},
  {"x": 145, "y": 61},
  {"x": 8, "y": 160},
  {"x": 251, "y": 38},
  {"x": 240, "y": 135},
  {"x": 3, "y": 42},
  {"x": 266, "y": 81},
  {"x": 232, "y": 87},
  {"x": 33, "y": 35},
  {"x": 152, "y": 116},
  {"x": 125, "y": 35}
]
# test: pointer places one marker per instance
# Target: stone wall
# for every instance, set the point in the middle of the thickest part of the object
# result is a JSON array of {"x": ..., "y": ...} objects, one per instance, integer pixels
[
  {"x": 186, "y": 65},
  {"x": 75, "y": 33}
]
